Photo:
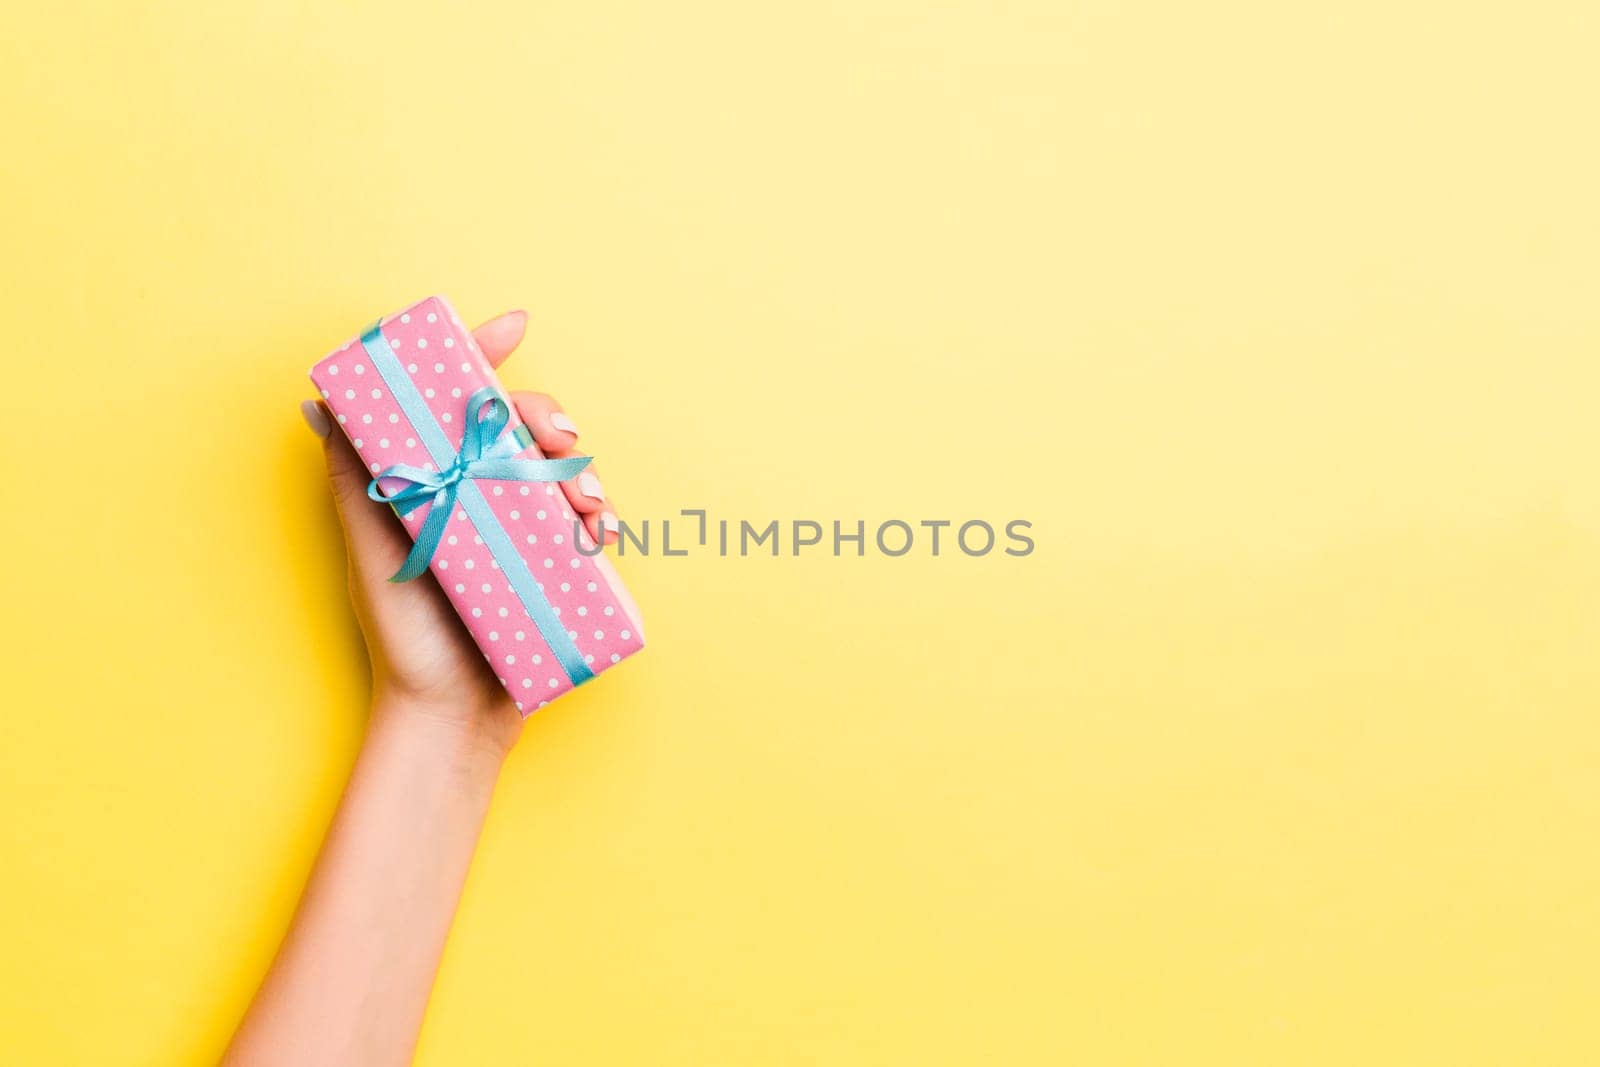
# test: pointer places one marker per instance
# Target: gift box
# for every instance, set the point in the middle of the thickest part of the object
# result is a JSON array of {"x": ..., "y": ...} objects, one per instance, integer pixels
[{"x": 450, "y": 454}]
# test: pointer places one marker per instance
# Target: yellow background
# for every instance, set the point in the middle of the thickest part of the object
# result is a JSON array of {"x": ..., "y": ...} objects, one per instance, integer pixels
[{"x": 1277, "y": 320}]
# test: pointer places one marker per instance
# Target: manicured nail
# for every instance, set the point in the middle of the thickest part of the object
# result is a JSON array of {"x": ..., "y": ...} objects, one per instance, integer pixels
[
  {"x": 315, "y": 417},
  {"x": 559, "y": 420},
  {"x": 608, "y": 524},
  {"x": 589, "y": 486}
]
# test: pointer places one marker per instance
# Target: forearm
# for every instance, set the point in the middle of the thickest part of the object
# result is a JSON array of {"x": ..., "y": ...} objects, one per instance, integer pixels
[{"x": 351, "y": 981}]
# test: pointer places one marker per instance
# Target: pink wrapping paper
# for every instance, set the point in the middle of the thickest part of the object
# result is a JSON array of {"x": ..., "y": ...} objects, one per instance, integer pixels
[{"x": 446, "y": 366}]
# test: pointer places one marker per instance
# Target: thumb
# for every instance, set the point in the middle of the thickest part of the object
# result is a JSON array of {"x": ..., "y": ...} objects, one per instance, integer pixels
[{"x": 378, "y": 543}]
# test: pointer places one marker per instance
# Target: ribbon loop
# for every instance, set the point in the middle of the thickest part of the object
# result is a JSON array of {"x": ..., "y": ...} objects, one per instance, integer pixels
[{"x": 484, "y": 453}]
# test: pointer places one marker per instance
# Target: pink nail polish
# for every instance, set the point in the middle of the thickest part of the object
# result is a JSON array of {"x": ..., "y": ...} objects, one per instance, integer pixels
[{"x": 315, "y": 417}]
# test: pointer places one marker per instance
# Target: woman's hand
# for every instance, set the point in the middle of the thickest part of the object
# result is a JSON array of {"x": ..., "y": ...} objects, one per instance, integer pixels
[
  {"x": 350, "y": 982},
  {"x": 423, "y": 661}
]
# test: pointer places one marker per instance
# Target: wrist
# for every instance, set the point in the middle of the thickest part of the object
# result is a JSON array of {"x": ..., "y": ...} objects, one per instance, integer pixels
[{"x": 475, "y": 738}]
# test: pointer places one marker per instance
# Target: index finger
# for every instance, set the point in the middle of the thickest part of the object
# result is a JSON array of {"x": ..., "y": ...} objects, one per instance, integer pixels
[{"x": 499, "y": 337}]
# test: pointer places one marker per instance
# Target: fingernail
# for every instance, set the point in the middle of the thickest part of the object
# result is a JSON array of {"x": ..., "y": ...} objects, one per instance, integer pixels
[
  {"x": 315, "y": 417},
  {"x": 559, "y": 420},
  {"x": 589, "y": 486},
  {"x": 608, "y": 524}
]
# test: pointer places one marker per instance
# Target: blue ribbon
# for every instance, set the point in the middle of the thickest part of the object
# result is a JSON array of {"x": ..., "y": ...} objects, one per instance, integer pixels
[{"x": 484, "y": 453}]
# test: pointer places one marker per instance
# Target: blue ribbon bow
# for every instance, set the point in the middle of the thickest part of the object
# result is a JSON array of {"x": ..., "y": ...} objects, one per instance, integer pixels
[{"x": 483, "y": 454}]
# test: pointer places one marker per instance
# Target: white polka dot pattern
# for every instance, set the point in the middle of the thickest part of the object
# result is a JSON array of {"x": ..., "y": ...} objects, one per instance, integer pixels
[{"x": 578, "y": 587}]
